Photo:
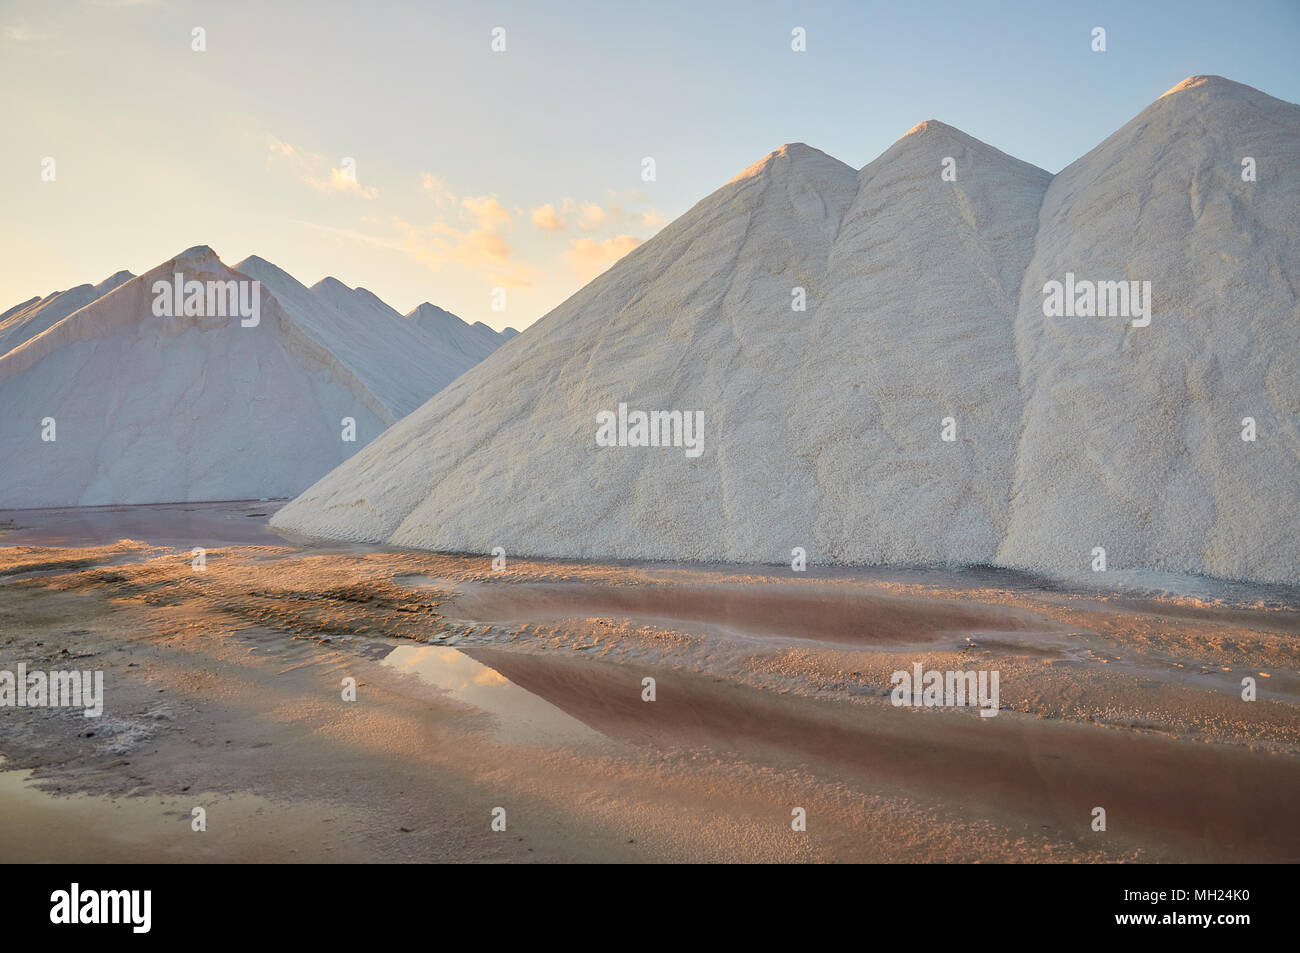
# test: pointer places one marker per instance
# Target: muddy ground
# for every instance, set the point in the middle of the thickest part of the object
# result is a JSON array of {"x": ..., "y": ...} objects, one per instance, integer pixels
[{"x": 523, "y": 689}]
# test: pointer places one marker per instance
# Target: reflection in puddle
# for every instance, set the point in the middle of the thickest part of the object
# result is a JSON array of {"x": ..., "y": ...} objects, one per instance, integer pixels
[
  {"x": 42, "y": 826},
  {"x": 237, "y": 523},
  {"x": 521, "y": 717}
]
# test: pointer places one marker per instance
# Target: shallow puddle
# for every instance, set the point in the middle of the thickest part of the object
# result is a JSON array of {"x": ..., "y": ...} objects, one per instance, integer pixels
[
  {"x": 241, "y": 522},
  {"x": 519, "y": 716},
  {"x": 239, "y": 827}
]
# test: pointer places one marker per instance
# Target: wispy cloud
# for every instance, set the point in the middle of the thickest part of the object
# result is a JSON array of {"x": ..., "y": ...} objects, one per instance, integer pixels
[
  {"x": 474, "y": 234},
  {"x": 345, "y": 180},
  {"x": 590, "y": 216},
  {"x": 589, "y": 257},
  {"x": 547, "y": 218},
  {"x": 376, "y": 241},
  {"x": 313, "y": 169},
  {"x": 486, "y": 211},
  {"x": 480, "y": 248},
  {"x": 438, "y": 244},
  {"x": 435, "y": 186},
  {"x": 19, "y": 33}
]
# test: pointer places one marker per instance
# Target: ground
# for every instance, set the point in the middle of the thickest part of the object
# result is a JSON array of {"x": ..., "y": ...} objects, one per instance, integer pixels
[{"x": 524, "y": 689}]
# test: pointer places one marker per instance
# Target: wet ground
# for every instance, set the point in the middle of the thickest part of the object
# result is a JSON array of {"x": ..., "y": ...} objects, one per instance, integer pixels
[{"x": 623, "y": 712}]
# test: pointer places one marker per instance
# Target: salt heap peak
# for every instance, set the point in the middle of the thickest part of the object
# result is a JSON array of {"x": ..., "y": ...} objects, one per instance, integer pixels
[
  {"x": 934, "y": 126},
  {"x": 476, "y": 341},
  {"x": 198, "y": 257},
  {"x": 1218, "y": 85},
  {"x": 790, "y": 155}
]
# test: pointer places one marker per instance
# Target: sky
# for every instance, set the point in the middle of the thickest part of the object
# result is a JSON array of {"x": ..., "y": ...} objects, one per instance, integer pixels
[{"x": 473, "y": 169}]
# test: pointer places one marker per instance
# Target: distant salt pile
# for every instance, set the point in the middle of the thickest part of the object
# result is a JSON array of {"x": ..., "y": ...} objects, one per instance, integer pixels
[
  {"x": 23, "y": 322},
  {"x": 398, "y": 360},
  {"x": 476, "y": 341},
  {"x": 824, "y": 429},
  {"x": 108, "y": 401}
]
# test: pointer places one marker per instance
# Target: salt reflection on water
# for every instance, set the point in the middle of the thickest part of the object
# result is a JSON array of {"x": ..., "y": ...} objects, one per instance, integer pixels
[{"x": 520, "y": 716}]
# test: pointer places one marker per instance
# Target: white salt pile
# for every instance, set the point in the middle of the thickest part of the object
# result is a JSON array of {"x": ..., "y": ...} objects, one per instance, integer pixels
[
  {"x": 823, "y": 429},
  {"x": 1132, "y": 436},
  {"x": 115, "y": 402}
]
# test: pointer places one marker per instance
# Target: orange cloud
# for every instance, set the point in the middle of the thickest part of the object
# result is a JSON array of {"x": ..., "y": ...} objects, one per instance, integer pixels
[
  {"x": 478, "y": 249},
  {"x": 310, "y": 167},
  {"x": 592, "y": 216},
  {"x": 344, "y": 180},
  {"x": 279, "y": 149},
  {"x": 589, "y": 257},
  {"x": 546, "y": 218},
  {"x": 486, "y": 211},
  {"x": 435, "y": 187}
]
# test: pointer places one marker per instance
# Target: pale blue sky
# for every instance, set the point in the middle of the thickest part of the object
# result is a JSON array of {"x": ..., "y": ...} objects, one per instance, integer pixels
[{"x": 159, "y": 147}]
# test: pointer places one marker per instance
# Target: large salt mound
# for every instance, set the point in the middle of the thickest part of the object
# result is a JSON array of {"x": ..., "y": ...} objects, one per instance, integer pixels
[
  {"x": 165, "y": 409},
  {"x": 821, "y": 428},
  {"x": 1132, "y": 436}
]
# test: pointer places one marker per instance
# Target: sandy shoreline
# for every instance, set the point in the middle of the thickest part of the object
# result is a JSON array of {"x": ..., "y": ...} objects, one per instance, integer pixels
[{"x": 522, "y": 690}]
